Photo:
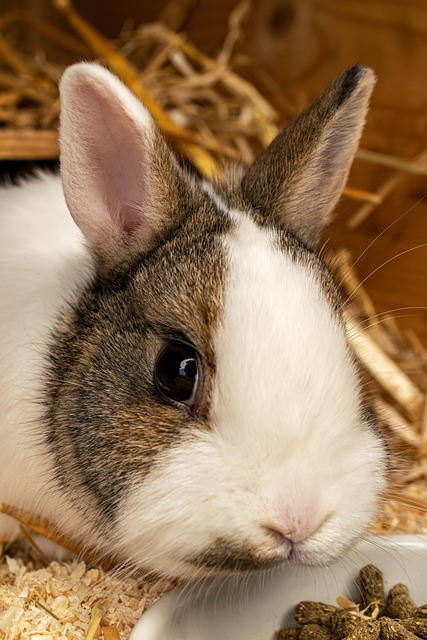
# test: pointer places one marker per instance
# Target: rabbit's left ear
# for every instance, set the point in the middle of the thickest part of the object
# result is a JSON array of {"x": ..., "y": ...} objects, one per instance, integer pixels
[
  {"x": 122, "y": 184},
  {"x": 299, "y": 178}
]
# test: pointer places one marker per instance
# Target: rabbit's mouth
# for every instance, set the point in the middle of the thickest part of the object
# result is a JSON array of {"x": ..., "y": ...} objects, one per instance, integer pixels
[
  {"x": 271, "y": 550},
  {"x": 228, "y": 557}
]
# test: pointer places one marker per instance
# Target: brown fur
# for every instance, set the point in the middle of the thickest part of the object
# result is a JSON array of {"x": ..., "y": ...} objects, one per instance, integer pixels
[
  {"x": 299, "y": 178},
  {"x": 107, "y": 420}
]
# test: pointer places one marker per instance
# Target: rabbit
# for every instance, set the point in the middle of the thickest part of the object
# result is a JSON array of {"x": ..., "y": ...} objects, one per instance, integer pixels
[{"x": 177, "y": 389}]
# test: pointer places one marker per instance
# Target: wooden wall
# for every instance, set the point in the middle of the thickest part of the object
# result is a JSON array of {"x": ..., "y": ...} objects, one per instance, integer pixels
[{"x": 291, "y": 49}]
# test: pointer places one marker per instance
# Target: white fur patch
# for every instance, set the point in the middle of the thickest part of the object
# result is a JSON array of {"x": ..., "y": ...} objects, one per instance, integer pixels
[
  {"x": 287, "y": 449},
  {"x": 43, "y": 262}
]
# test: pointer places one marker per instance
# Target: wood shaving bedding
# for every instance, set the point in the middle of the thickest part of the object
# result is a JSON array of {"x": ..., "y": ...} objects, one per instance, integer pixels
[{"x": 59, "y": 600}]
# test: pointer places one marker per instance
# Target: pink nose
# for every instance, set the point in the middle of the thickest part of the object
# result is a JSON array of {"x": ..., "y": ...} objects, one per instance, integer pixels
[
  {"x": 296, "y": 532},
  {"x": 296, "y": 523},
  {"x": 296, "y": 505}
]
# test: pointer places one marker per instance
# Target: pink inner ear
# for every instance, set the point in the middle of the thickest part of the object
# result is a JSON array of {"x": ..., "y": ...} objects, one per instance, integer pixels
[
  {"x": 131, "y": 220},
  {"x": 117, "y": 151},
  {"x": 105, "y": 157}
]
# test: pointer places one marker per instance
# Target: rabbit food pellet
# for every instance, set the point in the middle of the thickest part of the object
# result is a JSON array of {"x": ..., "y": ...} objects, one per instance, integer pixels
[{"x": 396, "y": 617}]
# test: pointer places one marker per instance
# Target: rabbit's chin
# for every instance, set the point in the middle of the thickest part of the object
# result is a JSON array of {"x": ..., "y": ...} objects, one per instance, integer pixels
[{"x": 224, "y": 558}]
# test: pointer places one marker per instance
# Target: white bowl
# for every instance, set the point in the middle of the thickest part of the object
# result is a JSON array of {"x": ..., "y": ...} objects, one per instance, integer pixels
[{"x": 255, "y": 607}]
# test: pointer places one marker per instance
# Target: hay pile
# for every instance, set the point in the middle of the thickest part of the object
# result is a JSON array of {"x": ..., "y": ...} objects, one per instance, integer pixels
[
  {"x": 214, "y": 115},
  {"x": 395, "y": 365}
]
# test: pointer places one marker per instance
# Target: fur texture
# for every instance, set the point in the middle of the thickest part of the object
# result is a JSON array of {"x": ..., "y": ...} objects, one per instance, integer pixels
[{"x": 278, "y": 460}]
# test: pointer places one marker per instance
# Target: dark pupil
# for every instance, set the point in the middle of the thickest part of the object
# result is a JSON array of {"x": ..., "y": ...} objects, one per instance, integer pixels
[{"x": 176, "y": 372}]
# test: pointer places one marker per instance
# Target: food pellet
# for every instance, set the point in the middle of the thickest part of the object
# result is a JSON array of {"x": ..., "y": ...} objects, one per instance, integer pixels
[
  {"x": 372, "y": 589},
  {"x": 307, "y": 612},
  {"x": 393, "y": 630},
  {"x": 289, "y": 633},
  {"x": 400, "y": 603},
  {"x": 418, "y": 626},
  {"x": 315, "y": 632},
  {"x": 343, "y": 623},
  {"x": 366, "y": 630},
  {"x": 396, "y": 617}
]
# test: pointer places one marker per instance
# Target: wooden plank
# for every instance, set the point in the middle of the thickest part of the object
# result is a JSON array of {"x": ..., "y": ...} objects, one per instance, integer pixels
[{"x": 28, "y": 144}]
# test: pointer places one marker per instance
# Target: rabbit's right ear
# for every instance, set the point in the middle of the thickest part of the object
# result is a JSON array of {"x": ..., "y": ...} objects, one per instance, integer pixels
[{"x": 122, "y": 184}]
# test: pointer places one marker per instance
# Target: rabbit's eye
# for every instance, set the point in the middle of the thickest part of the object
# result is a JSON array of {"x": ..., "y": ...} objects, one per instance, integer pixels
[{"x": 177, "y": 375}]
